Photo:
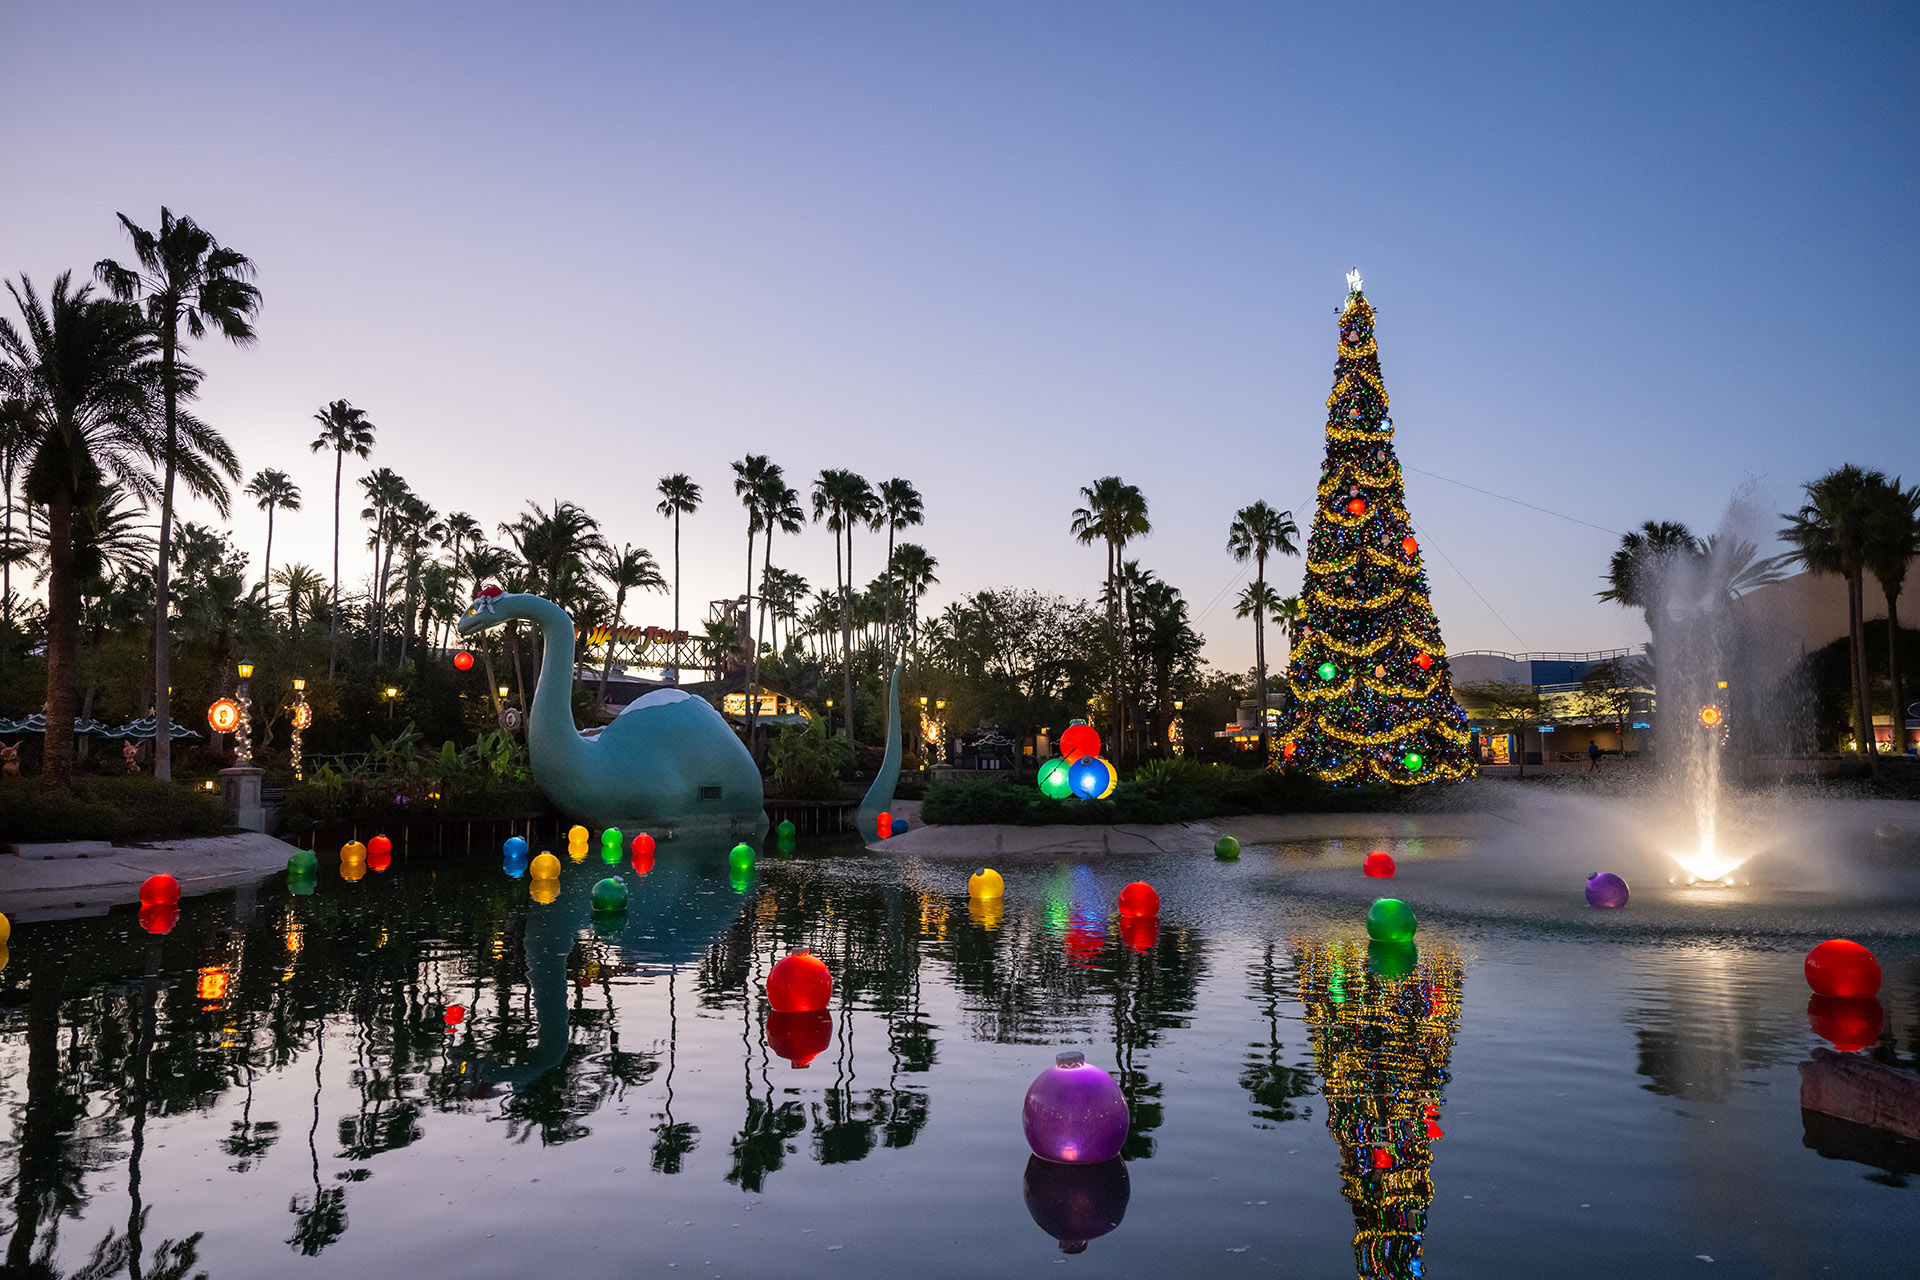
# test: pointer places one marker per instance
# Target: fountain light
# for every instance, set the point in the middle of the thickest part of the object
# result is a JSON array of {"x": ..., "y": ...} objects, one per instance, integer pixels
[{"x": 1710, "y": 865}]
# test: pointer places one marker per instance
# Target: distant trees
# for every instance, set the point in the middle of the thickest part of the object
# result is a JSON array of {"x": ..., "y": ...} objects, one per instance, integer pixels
[
  {"x": 1257, "y": 532},
  {"x": 272, "y": 491},
  {"x": 1115, "y": 513},
  {"x": 343, "y": 430},
  {"x": 680, "y": 496}
]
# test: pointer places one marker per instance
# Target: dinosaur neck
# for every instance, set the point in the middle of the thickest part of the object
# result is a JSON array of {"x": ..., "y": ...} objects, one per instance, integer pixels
[{"x": 550, "y": 731}]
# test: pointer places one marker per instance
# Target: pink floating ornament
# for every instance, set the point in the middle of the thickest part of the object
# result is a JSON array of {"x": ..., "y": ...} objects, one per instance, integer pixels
[{"x": 799, "y": 983}]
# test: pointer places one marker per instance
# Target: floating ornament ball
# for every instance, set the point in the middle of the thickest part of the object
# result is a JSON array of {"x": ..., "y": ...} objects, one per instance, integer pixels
[
  {"x": 1392, "y": 959},
  {"x": 1075, "y": 1113},
  {"x": 463, "y": 661},
  {"x": 1076, "y": 1203},
  {"x": 303, "y": 863},
  {"x": 1139, "y": 899},
  {"x": 577, "y": 835},
  {"x": 354, "y": 872},
  {"x": 352, "y": 851},
  {"x": 545, "y": 867},
  {"x": 740, "y": 876},
  {"x": 514, "y": 846},
  {"x": 1054, "y": 783},
  {"x": 379, "y": 861},
  {"x": 1226, "y": 849},
  {"x": 610, "y": 851},
  {"x": 543, "y": 892},
  {"x": 1848, "y": 1023},
  {"x": 786, "y": 830},
  {"x": 455, "y": 1015},
  {"x": 799, "y": 983},
  {"x": 379, "y": 844},
  {"x": 899, "y": 826},
  {"x": 1605, "y": 889},
  {"x": 610, "y": 894},
  {"x": 160, "y": 917},
  {"x": 986, "y": 883},
  {"x": 6, "y": 929},
  {"x": 1092, "y": 778},
  {"x": 884, "y": 824},
  {"x": 1378, "y": 866},
  {"x": 799, "y": 1037},
  {"x": 1391, "y": 920},
  {"x": 160, "y": 890},
  {"x": 1079, "y": 740},
  {"x": 642, "y": 858},
  {"x": 741, "y": 855},
  {"x": 1840, "y": 967}
]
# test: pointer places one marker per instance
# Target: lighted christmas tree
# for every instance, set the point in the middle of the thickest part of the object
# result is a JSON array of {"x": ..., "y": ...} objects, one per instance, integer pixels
[
  {"x": 1372, "y": 699},
  {"x": 1381, "y": 1047}
]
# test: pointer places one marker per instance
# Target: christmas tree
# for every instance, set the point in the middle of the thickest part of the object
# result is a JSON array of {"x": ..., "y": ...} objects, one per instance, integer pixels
[
  {"x": 1381, "y": 1046},
  {"x": 1372, "y": 700}
]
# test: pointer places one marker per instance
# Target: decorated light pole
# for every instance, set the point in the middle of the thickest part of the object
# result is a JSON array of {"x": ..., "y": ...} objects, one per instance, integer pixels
[
  {"x": 243, "y": 736},
  {"x": 302, "y": 717}
]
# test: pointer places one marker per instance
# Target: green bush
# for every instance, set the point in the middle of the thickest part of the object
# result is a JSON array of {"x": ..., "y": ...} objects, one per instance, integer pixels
[
  {"x": 807, "y": 763},
  {"x": 396, "y": 780},
  {"x": 119, "y": 809}
]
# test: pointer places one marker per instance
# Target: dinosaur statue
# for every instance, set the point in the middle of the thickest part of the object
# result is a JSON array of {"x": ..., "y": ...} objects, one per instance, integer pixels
[
  {"x": 880, "y": 794},
  {"x": 668, "y": 763}
]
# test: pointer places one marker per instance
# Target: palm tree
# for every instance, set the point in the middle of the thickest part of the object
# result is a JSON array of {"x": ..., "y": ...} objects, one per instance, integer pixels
[
  {"x": 461, "y": 529},
  {"x": 1893, "y": 540},
  {"x": 843, "y": 499},
  {"x": 273, "y": 490},
  {"x": 911, "y": 569},
  {"x": 1258, "y": 531},
  {"x": 633, "y": 569},
  {"x": 779, "y": 513},
  {"x": 86, "y": 372},
  {"x": 386, "y": 494},
  {"x": 298, "y": 583},
  {"x": 680, "y": 496},
  {"x": 14, "y": 425},
  {"x": 343, "y": 429},
  {"x": 417, "y": 526},
  {"x": 748, "y": 474},
  {"x": 1294, "y": 615},
  {"x": 1260, "y": 601},
  {"x": 1638, "y": 573},
  {"x": 1829, "y": 535},
  {"x": 901, "y": 508},
  {"x": 185, "y": 278},
  {"x": 1116, "y": 513}
]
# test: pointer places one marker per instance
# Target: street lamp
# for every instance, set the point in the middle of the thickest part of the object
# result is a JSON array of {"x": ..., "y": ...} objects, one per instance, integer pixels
[
  {"x": 243, "y": 736},
  {"x": 392, "y": 693},
  {"x": 302, "y": 717},
  {"x": 503, "y": 691},
  {"x": 829, "y": 717}
]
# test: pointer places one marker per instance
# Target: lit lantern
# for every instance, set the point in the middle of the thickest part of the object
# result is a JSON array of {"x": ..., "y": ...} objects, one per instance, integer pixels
[
  {"x": 1408, "y": 545},
  {"x": 1424, "y": 661},
  {"x": 515, "y": 847},
  {"x": 1840, "y": 967},
  {"x": 799, "y": 983},
  {"x": 1054, "y": 783},
  {"x": 1076, "y": 1203},
  {"x": 1139, "y": 899},
  {"x": 302, "y": 862},
  {"x": 379, "y": 844},
  {"x": 1849, "y": 1024},
  {"x": 1075, "y": 1113},
  {"x": 986, "y": 883},
  {"x": 1606, "y": 890},
  {"x": 1413, "y": 761},
  {"x": 799, "y": 1037},
  {"x": 544, "y": 891},
  {"x": 159, "y": 891},
  {"x": 1326, "y": 671},
  {"x": 1378, "y": 866},
  {"x": 224, "y": 715},
  {"x": 352, "y": 851},
  {"x": 1392, "y": 959},
  {"x": 545, "y": 867},
  {"x": 1079, "y": 740},
  {"x": 379, "y": 861},
  {"x": 1709, "y": 715},
  {"x": 1391, "y": 920},
  {"x": 610, "y": 894},
  {"x": 463, "y": 661},
  {"x": 1226, "y": 849},
  {"x": 884, "y": 824},
  {"x": 1140, "y": 932},
  {"x": 1357, "y": 507},
  {"x": 160, "y": 917},
  {"x": 454, "y": 1016}
]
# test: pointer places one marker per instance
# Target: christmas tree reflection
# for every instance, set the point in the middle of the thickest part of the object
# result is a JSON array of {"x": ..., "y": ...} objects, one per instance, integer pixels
[{"x": 1381, "y": 1044}]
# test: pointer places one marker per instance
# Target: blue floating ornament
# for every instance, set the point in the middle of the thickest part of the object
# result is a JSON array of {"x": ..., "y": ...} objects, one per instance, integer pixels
[{"x": 1090, "y": 777}]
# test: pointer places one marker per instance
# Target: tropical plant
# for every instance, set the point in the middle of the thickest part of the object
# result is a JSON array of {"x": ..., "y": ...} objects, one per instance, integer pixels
[
  {"x": 183, "y": 278},
  {"x": 343, "y": 429},
  {"x": 1638, "y": 574},
  {"x": 911, "y": 570},
  {"x": 1893, "y": 540},
  {"x": 631, "y": 569},
  {"x": 779, "y": 513},
  {"x": 1257, "y": 532},
  {"x": 299, "y": 584},
  {"x": 900, "y": 508},
  {"x": 680, "y": 496},
  {"x": 272, "y": 491},
  {"x": 14, "y": 440},
  {"x": 748, "y": 475},
  {"x": 387, "y": 494},
  {"x": 1829, "y": 534},
  {"x": 807, "y": 762},
  {"x": 85, "y": 370},
  {"x": 1115, "y": 513},
  {"x": 843, "y": 500}
]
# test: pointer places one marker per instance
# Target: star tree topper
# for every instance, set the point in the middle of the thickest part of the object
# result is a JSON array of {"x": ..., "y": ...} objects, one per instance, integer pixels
[{"x": 1353, "y": 282}]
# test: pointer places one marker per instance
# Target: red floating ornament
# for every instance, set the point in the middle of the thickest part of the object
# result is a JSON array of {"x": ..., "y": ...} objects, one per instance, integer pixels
[
  {"x": 1424, "y": 661},
  {"x": 1141, "y": 933},
  {"x": 799, "y": 1037},
  {"x": 800, "y": 983},
  {"x": 1358, "y": 507},
  {"x": 463, "y": 661},
  {"x": 159, "y": 891},
  {"x": 1079, "y": 740},
  {"x": 1378, "y": 866},
  {"x": 1138, "y": 899},
  {"x": 1849, "y": 1024},
  {"x": 455, "y": 1015},
  {"x": 642, "y": 853},
  {"x": 379, "y": 859},
  {"x": 1841, "y": 967},
  {"x": 160, "y": 917},
  {"x": 379, "y": 844},
  {"x": 884, "y": 823}
]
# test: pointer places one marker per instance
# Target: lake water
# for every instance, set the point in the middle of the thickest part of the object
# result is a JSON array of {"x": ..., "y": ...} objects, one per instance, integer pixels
[{"x": 278, "y": 1086}]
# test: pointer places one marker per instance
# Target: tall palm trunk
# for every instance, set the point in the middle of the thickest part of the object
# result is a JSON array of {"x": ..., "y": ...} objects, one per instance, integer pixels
[
  {"x": 162, "y": 580},
  {"x": 1260, "y": 652},
  {"x": 886, "y": 605},
  {"x": 846, "y": 621},
  {"x": 1893, "y": 672},
  {"x": 676, "y": 595},
  {"x": 266, "y": 574},
  {"x": 1857, "y": 647},
  {"x": 1113, "y": 636},
  {"x": 333, "y": 617},
  {"x": 846, "y": 695},
  {"x": 56, "y": 769}
]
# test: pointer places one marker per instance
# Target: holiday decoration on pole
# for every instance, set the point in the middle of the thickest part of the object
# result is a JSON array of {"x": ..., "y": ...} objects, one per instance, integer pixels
[{"x": 1372, "y": 696}]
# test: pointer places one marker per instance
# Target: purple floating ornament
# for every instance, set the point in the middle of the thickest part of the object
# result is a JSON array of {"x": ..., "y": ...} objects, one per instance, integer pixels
[
  {"x": 1075, "y": 1113},
  {"x": 1605, "y": 889}
]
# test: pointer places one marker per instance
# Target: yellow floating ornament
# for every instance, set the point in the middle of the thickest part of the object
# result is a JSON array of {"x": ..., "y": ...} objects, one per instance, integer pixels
[
  {"x": 544, "y": 867},
  {"x": 986, "y": 883}
]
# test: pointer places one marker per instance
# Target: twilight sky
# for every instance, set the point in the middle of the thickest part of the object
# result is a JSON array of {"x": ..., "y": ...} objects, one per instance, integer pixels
[{"x": 1624, "y": 261}]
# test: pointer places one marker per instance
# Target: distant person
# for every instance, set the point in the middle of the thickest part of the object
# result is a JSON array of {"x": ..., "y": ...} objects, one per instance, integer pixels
[
  {"x": 10, "y": 759},
  {"x": 131, "y": 754},
  {"x": 1593, "y": 756}
]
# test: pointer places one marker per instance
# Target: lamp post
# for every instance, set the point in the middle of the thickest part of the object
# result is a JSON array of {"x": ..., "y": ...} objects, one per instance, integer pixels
[
  {"x": 829, "y": 717},
  {"x": 1178, "y": 730},
  {"x": 302, "y": 717},
  {"x": 243, "y": 735},
  {"x": 392, "y": 693},
  {"x": 940, "y": 718}
]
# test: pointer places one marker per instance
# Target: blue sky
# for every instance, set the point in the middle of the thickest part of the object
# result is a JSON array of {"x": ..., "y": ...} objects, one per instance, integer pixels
[{"x": 1625, "y": 261}]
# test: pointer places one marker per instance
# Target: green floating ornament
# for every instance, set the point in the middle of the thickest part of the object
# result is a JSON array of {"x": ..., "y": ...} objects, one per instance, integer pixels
[
  {"x": 786, "y": 830},
  {"x": 1391, "y": 920},
  {"x": 741, "y": 856},
  {"x": 1054, "y": 783},
  {"x": 1226, "y": 849},
  {"x": 612, "y": 846},
  {"x": 302, "y": 886},
  {"x": 303, "y": 862},
  {"x": 610, "y": 895}
]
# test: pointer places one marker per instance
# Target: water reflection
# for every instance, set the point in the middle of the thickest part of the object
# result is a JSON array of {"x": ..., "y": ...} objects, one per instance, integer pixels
[{"x": 1381, "y": 1046}]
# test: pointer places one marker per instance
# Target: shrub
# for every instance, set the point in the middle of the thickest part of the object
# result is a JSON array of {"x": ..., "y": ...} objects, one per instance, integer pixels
[
  {"x": 807, "y": 763},
  {"x": 395, "y": 779},
  {"x": 119, "y": 809}
]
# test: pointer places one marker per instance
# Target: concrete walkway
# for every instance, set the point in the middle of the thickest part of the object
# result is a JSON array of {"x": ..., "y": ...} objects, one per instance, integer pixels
[
  {"x": 1011, "y": 842},
  {"x": 88, "y": 877}
]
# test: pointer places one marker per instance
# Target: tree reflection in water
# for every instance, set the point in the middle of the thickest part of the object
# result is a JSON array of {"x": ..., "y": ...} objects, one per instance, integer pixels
[{"x": 111, "y": 1031}]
